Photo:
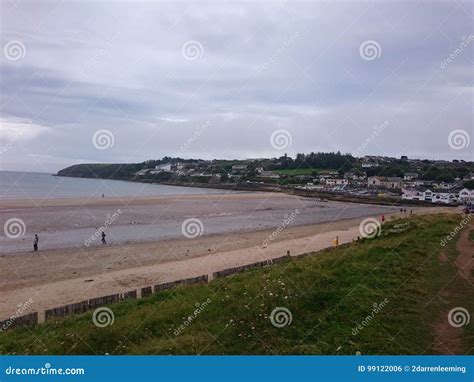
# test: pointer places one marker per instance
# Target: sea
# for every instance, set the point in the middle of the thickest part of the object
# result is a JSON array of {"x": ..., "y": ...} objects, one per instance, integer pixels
[{"x": 33, "y": 185}]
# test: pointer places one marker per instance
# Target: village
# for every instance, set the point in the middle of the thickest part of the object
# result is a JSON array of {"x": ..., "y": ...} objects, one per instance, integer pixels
[{"x": 362, "y": 177}]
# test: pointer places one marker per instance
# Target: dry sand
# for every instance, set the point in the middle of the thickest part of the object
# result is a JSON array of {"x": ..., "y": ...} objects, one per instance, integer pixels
[{"x": 57, "y": 277}]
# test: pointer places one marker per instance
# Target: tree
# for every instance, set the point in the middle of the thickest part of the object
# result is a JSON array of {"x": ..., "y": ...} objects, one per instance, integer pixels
[{"x": 469, "y": 184}]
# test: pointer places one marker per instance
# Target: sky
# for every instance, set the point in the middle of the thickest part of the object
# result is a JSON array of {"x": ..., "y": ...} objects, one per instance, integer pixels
[{"x": 102, "y": 81}]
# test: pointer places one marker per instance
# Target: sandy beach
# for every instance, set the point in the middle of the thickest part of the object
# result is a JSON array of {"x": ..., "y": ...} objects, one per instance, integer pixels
[{"x": 234, "y": 229}]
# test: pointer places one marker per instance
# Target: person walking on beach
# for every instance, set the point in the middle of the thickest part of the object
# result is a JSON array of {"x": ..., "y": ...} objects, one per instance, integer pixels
[
  {"x": 103, "y": 238},
  {"x": 35, "y": 242}
]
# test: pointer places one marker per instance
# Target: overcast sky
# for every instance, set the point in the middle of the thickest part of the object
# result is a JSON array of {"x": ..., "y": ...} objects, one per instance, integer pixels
[{"x": 102, "y": 81}]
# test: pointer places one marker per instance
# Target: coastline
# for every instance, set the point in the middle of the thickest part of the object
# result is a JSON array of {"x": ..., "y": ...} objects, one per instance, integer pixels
[
  {"x": 63, "y": 276},
  {"x": 269, "y": 187}
]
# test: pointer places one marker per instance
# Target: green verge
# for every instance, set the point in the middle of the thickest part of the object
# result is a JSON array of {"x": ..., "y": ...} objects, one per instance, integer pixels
[{"x": 328, "y": 294}]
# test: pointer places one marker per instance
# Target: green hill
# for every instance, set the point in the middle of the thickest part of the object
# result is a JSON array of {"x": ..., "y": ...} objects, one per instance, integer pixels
[{"x": 380, "y": 296}]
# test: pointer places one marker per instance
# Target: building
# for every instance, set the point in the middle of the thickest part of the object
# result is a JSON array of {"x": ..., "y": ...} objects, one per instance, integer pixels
[
  {"x": 337, "y": 182},
  {"x": 163, "y": 167},
  {"x": 441, "y": 196},
  {"x": 466, "y": 195},
  {"x": 410, "y": 176},
  {"x": 385, "y": 182},
  {"x": 414, "y": 193},
  {"x": 239, "y": 168},
  {"x": 142, "y": 172},
  {"x": 268, "y": 175}
]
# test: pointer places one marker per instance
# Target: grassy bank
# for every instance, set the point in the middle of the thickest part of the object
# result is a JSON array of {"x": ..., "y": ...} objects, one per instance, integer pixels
[{"x": 330, "y": 297}]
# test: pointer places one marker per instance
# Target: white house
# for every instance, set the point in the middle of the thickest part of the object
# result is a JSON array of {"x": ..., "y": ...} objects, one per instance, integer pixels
[
  {"x": 428, "y": 195},
  {"x": 413, "y": 194},
  {"x": 466, "y": 195},
  {"x": 268, "y": 174},
  {"x": 142, "y": 172},
  {"x": 163, "y": 167},
  {"x": 337, "y": 182},
  {"x": 410, "y": 176}
]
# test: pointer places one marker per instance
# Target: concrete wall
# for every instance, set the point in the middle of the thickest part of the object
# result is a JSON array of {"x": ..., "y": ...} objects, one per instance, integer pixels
[
  {"x": 243, "y": 268},
  {"x": 147, "y": 291},
  {"x": 129, "y": 295},
  {"x": 173, "y": 284},
  {"x": 105, "y": 300},
  {"x": 30, "y": 319},
  {"x": 81, "y": 307}
]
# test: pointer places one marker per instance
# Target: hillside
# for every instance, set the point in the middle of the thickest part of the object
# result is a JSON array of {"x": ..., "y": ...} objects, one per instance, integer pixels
[
  {"x": 101, "y": 170},
  {"x": 405, "y": 280}
]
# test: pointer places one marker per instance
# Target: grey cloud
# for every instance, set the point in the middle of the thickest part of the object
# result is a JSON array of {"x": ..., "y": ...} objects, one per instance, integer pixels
[{"x": 264, "y": 66}]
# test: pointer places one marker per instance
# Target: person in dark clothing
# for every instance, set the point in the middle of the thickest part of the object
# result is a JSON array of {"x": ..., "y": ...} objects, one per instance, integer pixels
[
  {"x": 35, "y": 242},
  {"x": 103, "y": 238}
]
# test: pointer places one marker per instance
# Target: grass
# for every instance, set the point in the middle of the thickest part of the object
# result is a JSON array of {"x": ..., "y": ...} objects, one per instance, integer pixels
[
  {"x": 471, "y": 235},
  {"x": 327, "y": 294}
]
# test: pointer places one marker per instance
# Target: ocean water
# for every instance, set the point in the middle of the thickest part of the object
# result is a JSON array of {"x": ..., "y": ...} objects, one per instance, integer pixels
[{"x": 41, "y": 185}]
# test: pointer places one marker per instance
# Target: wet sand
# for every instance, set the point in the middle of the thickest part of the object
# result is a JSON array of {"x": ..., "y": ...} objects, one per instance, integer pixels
[
  {"x": 69, "y": 223},
  {"x": 235, "y": 227}
]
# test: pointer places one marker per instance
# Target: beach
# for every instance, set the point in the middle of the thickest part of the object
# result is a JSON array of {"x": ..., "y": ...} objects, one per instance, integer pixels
[{"x": 147, "y": 244}]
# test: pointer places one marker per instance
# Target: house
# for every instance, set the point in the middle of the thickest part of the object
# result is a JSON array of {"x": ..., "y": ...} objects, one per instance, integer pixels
[
  {"x": 428, "y": 195},
  {"x": 444, "y": 197},
  {"x": 369, "y": 165},
  {"x": 336, "y": 182},
  {"x": 414, "y": 193},
  {"x": 351, "y": 175},
  {"x": 410, "y": 176},
  {"x": 466, "y": 195},
  {"x": 392, "y": 182},
  {"x": 163, "y": 167},
  {"x": 442, "y": 185},
  {"x": 142, "y": 172},
  {"x": 239, "y": 168},
  {"x": 268, "y": 175},
  {"x": 469, "y": 176}
]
